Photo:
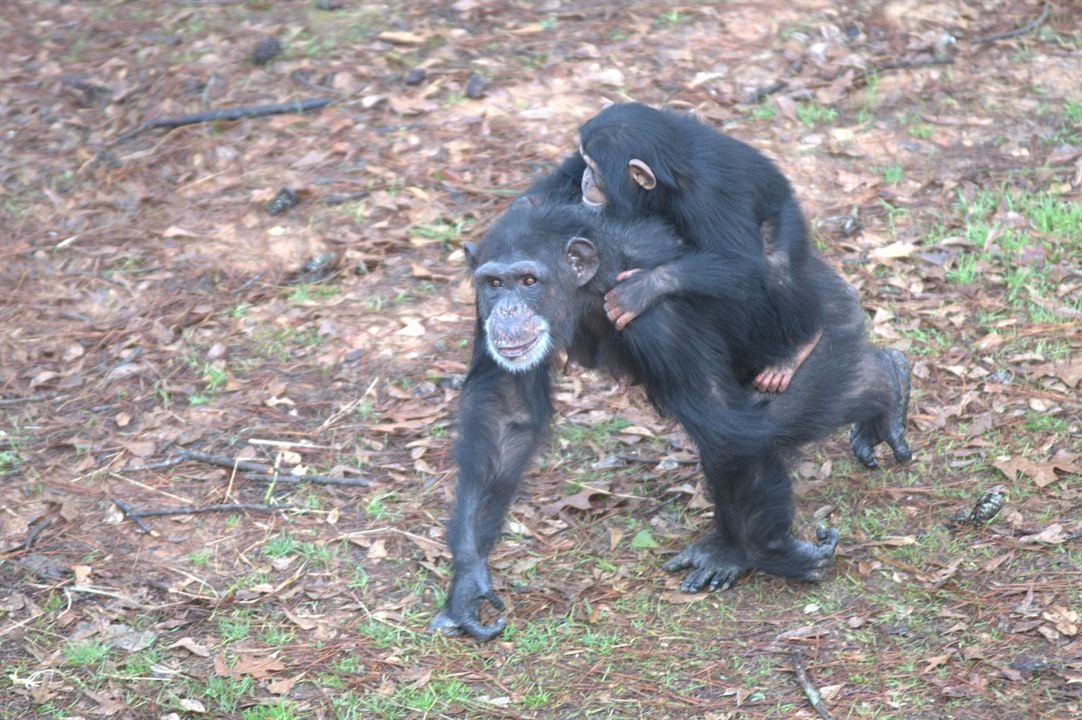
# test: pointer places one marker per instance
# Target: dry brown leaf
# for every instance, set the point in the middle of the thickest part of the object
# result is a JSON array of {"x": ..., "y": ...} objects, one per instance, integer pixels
[
  {"x": 303, "y": 623},
  {"x": 258, "y": 668},
  {"x": 936, "y": 661},
  {"x": 283, "y": 685},
  {"x": 191, "y": 646},
  {"x": 174, "y": 231},
  {"x": 402, "y": 38},
  {"x": 893, "y": 251},
  {"x": 1054, "y": 534},
  {"x": 140, "y": 448},
  {"x": 378, "y": 551},
  {"x": 1043, "y": 474}
]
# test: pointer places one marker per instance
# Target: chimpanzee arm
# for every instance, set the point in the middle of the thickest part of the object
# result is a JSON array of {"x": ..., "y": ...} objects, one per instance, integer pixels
[
  {"x": 501, "y": 420},
  {"x": 563, "y": 184},
  {"x": 734, "y": 281}
]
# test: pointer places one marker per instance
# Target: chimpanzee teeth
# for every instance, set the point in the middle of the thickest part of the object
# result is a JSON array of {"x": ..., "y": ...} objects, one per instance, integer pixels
[{"x": 520, "y": 358}]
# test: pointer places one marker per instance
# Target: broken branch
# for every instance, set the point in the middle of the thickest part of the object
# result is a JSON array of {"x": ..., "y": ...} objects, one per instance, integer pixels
[
  {"x": 810, "y": 690},
  {"x": 297, "y": 106}
]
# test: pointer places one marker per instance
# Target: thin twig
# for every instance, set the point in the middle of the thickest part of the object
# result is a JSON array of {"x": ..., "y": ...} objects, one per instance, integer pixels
[
  {"x": 223, "y": 507},
  {"x": 654, "y": 461},
  {"x": 136, "y": 516},
  {"x": 130, "y": 513},
  {"x": 225, "y": 462},
  {"x": 757, "y": 95},
  {"x": 297, "y": 106},
  {"x": 168, "y": 462},
  {"x": 5, "y": 402},
  {"x": 255, "y": 471},
  {"x": 813, "y": 694},
  {"x": 914, "y": 63},
  {"x": 36, "y": 529},
  {"x": 301, "y": 479},
  {"x": 1024, "y": 30}
]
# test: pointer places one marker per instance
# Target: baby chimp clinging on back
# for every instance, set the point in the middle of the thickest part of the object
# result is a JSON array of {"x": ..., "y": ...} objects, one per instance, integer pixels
[{"x": 541, "y": 274}]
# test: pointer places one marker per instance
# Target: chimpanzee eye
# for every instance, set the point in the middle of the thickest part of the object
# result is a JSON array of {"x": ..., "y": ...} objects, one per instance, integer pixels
[
  {"x": 495, "y": 282},
  {"x": 528, "y": 280}
]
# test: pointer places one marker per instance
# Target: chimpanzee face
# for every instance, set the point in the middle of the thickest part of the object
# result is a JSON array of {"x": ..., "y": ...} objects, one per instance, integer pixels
[
  {"x": 525, "y": 289},
  {"x": 595, "y": 186},
  {"x": 593, "y": 192}
]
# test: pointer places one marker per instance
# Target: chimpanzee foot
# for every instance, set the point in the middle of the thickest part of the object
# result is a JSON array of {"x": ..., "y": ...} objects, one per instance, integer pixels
[
  {"x": 890, "y": 426},
  {"x": 799, "y": 559},
  {"x": 715, "y": 564},
  {"x": 470, "y": 589}
]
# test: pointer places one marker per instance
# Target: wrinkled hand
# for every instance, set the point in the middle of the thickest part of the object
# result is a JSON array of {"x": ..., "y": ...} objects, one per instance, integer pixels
[
  {"x": 635, "y": 293},
  {"x": 470, "y": 588}
]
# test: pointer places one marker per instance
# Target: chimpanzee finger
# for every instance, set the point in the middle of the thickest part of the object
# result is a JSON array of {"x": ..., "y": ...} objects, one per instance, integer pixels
[
  {"x": 773, "y": 382},
  {"x": 678, "y": 562},
  {"x": 696, "y": 580},
  {"x": 493, "y": 598},
  {"x": 762, "y": 381},
  {"x": 444, "y": 624},
  {"x": 783, "y": 382},
  {"x": 483, "y": 633},
  {"x": 627, "y": 273},
  {"x": 622, "y": 321}
]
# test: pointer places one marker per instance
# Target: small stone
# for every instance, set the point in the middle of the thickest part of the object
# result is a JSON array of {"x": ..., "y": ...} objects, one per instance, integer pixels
[
  {"x": 283, "y": 201},
  {"x": 475, "y": 87},
  {"x": 266, "y": 50},
  {"x": 416, "y": 76}
]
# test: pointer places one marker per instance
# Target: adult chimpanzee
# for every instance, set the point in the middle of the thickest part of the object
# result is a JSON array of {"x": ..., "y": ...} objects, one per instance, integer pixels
[
  {"x": 726, "y": 200},
  {"x": 541, "y": 275}
]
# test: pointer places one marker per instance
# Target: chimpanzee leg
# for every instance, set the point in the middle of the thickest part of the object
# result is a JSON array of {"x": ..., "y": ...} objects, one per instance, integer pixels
[
  {"x": 753, "y": 512},
  {"x": 766, "y": 506},
  {"x": 891, "y": 372},
  {"x": 501, "y": 420}
]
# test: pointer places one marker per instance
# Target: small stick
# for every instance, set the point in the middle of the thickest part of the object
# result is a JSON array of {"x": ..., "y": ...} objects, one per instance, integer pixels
[
  {"x": 1024, "y": 30},
  {"x": 168, "y": 462},
  {"x": 776, "y": 86},
  {"x": 224, "y": 507},
  {"x": 35, "y": 529},
  {"x": 654, "y": 461},
  {"x": 297, "y": 106},
  {"x": 809, "y": 689},
  {"x": 923, "y": 62},
  {"x": 136, "y": 516},
  {"x": 129, "y": 512},
  {"x": 300, "y": 479},
  {"x": 225, "y": 462}
]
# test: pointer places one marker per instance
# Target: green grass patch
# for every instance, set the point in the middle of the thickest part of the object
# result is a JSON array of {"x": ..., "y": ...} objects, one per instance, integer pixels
[
  {"x": 812, "y": 114},
  {"x": 85, "y": 653}
]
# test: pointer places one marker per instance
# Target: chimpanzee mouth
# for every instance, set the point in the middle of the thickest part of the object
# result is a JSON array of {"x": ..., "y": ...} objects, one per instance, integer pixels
[
  {"x": 512, "y": 352},
  {"x": 522, "y": 357}
]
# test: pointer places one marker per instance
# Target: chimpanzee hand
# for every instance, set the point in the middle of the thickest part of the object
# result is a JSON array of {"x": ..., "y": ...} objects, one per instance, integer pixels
[
  {"x": 469, "y": 589},
  {"x": 636, "y": 291}
]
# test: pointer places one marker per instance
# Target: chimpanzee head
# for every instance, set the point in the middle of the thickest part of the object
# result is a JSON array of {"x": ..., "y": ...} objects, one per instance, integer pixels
[
  {"x": 526, "y": 272},
  {"x": 628, "y": 149}
]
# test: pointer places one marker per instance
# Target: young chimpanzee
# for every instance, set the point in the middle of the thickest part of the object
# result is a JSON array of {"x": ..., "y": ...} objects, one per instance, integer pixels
[
  {"x": 726, "y": 200},
  {"x": 541, "y": 275}
]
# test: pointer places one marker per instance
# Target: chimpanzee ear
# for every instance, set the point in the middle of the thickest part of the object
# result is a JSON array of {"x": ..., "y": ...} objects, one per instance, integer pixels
[
  {"x": 642, "y": 174},
  {"x": 471, "y": 254},
  {"x": 582, "y": 255}
]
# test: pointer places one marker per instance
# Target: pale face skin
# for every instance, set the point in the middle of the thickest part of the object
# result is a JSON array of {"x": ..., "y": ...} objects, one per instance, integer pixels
[{"x": 593, "y": 194}]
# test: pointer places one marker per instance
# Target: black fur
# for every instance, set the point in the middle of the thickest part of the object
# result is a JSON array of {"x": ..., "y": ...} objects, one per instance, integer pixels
[
  {"x": 745, "y": 438},
  {"x": 729, "y": 203}
]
